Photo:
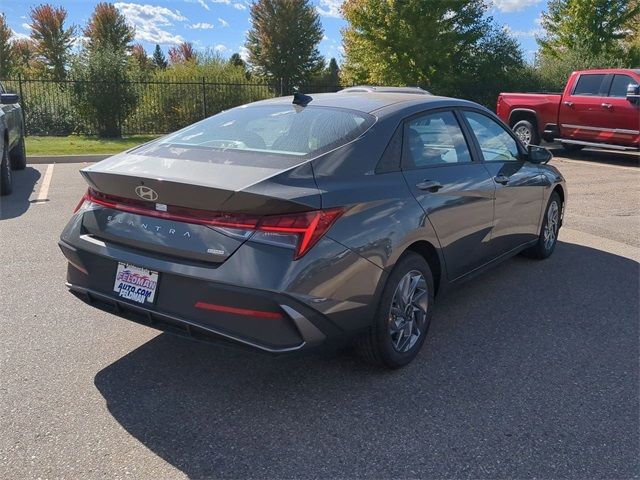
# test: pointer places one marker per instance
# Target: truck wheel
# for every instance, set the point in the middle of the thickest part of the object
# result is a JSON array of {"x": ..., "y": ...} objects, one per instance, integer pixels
[
  {"x": 6, "y": 183},
  {"x": 572, "y": 147},
  {"x": 18, "y": 156},
  {"x": 527, "y": 133}
]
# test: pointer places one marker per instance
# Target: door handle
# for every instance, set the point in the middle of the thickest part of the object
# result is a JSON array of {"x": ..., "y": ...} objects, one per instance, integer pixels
[
  {"x": 501, "y": 179},
  {"x": 568, "y": 104},
  {"x": 608, "y": 106},
  {"x": 429, "y": 186}
]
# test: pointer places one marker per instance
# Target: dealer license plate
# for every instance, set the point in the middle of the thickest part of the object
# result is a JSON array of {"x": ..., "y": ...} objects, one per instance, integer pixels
[{"x": 135, "y": 283}]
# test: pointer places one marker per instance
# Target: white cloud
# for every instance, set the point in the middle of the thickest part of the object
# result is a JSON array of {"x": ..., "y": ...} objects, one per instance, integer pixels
[
  {"x": 239, "y": 6},
  {"x": 200, "y": 26},
  {"x": 18, "y": 35},
  {"x": 244, "y": 53},
  {"x": 220, "y": 48},
  {"x": 513, "y": 5},
  {"x": 324, "y": 38},
  {"x": 226, "y": 2},
  {"x": 330, "y": 8},
  {"x": 223, "y": 22},
  {"x": 532, "y": 33},
  {"x": 202, "y": 3},
  {"x": 150, "y": 22},
  {"x": 26, "y": 26}
]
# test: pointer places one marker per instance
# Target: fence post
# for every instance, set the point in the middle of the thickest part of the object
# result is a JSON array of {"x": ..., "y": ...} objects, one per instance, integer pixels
[
  {"x": 24, "y": 112},
  {"x": 204, "y": 99}
]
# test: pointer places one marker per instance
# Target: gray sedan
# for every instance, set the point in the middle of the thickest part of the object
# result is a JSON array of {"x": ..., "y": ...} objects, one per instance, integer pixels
[{"x": 296, "y": 222}]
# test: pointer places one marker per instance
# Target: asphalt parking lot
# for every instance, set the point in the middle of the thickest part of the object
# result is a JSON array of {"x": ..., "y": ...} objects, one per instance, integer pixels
[{"x": 530, "y": 371}]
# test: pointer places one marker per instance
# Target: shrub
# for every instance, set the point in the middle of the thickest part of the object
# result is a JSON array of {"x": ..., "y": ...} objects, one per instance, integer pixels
[{"x": 102, "y": 92}]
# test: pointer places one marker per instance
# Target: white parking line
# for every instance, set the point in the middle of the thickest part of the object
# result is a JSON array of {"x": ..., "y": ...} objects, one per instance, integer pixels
[{"x": 44, "y": 187}]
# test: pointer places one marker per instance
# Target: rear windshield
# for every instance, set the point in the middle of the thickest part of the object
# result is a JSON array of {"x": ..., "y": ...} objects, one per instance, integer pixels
[{"x": 275, "y": 129}]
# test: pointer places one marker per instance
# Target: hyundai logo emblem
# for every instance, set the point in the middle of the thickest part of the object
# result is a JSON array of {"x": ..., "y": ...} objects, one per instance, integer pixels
[{"x": 146, "y": 193}]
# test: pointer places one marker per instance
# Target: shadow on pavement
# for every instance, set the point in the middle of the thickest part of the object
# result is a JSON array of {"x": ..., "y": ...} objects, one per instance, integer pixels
[
  {"x": 529, "y": 370},
  {"x": 17, "y": 203}
]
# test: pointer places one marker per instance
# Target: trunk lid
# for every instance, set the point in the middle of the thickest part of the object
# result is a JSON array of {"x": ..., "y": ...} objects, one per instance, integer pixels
[{"x": 161, "y": 177}]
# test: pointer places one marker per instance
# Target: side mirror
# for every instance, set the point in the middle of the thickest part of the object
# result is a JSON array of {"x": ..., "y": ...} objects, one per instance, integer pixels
[
  {"x": 9, "y": 98},
  {"x": 633, "y": 93},
  {"x": 538, "y": 154}
]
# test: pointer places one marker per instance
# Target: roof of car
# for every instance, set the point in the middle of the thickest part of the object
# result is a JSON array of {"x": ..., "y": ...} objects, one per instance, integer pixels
[{"x": 366, "y": 101}]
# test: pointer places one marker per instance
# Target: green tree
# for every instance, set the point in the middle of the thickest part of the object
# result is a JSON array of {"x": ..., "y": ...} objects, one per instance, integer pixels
[
  {"x": 102, "y": 93},
  {"x": 108, "y": 28},
  {"x": 236, "y": 60},
  {"x": 594, "y": 26},
  {"x": 333, "y": 71},
  {"x": 283, "y": 40},
  {"x": 444, "y": 46},
  {"x": 6, "y": 50},
  {"x": 51, "y": 39},
  {"x": 158, "y": 59}
]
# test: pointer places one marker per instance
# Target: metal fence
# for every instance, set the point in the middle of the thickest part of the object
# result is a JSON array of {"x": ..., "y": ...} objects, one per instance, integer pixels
[{"x": 55, "y": 107}]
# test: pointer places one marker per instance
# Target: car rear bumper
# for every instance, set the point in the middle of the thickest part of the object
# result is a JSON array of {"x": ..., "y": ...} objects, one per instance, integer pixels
[{"x": 206, "y": 310}]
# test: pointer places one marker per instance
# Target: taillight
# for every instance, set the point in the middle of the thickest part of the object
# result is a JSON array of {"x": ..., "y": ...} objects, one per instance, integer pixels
[
  {"x": 308, "y": 227},
  {"x": 300, "y": 231},
  {"x": 83, "y": 204}
]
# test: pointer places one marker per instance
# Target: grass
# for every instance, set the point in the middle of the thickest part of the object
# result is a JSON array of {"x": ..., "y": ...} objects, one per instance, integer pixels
[{"x": 82, "y": 145}]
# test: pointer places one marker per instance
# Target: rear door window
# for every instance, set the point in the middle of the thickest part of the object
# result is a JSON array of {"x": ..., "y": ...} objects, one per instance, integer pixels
[
  {"x": 589, "y": 85},
  {"x": 434, "y": 139},
  {"x": 619, "y": 85}
]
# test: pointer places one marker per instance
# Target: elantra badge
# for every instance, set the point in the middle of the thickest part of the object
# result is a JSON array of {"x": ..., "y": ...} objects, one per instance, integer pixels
[{"x": 146, "y": 193}]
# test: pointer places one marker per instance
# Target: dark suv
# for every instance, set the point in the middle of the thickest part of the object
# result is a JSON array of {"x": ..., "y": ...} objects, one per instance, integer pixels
[{"x": 12, "y": 151}]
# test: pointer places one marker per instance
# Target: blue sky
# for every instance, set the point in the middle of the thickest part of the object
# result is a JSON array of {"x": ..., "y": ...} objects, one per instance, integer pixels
[{"x": 222, "y": 24}]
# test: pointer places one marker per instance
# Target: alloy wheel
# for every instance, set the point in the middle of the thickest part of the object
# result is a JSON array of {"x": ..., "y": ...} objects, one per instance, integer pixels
[
  {"x": 524, "y": 134},
  {"x": 551, "y": 228},
  {"x": 408, "y": 312}
]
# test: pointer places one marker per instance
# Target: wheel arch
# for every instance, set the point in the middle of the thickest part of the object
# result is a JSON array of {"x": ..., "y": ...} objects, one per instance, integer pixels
[
  {"x": 519, "y": 114},
  {"x": 561, "y": 193},
  {"x": 427, "y": 251}
]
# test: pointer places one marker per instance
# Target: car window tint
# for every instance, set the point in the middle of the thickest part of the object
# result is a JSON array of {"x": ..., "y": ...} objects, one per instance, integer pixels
[
  {"x": 619, "y": 85},
  {"x": 434, "y": 139},
  {"x": 589, "y": 85},
  {"x": 496, "y": 143}
]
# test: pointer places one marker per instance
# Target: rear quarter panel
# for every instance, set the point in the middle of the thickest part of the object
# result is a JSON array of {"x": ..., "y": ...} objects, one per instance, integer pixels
[{"x": 545, "y": 106}]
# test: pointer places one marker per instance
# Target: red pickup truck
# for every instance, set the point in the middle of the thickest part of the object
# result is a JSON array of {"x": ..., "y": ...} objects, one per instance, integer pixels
[{"x": 598, "y": 108}]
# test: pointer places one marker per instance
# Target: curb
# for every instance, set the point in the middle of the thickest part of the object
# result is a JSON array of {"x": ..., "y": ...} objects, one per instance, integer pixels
[{"x": 41, "y": 160}]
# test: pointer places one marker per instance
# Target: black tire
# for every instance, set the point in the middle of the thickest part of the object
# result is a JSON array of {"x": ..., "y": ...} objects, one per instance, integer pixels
[
  {"x": 525, "y": 129},
  {"x": 377, "y": 345},
  {"x": 18, "y": 156},
  {"x": 572, "y": 147},
  {"x": 543, "y": 249},
  {"x": 6, "y": 180}
]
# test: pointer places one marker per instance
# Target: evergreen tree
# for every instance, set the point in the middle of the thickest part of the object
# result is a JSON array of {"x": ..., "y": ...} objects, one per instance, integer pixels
[
  {"x": 6, "y": 51},
  {"x": 159, "y": 60},
  {"x": 283, "y": 40},
  {"x": 333, "y": 72}
]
